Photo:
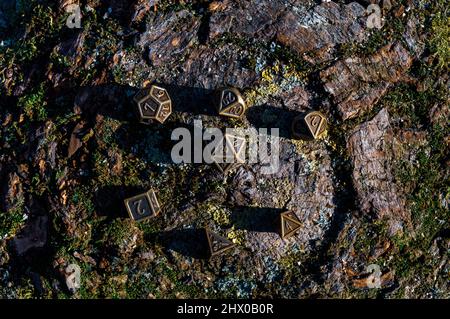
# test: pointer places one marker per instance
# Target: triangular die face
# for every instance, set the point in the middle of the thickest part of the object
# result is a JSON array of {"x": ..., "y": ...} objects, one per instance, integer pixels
[
  {"x": 219, "y": 154},
  {"x": 315, "y": 122},
  {"x": 234, "y": 110},
  {"x": 289, "y": 224},
  {"x": 228, "y": 98},
  {"x": 237, "y": 146},
  {"x": 217, "y": 244},
  {"x": 291, "y": 215},
  {"x": 226, "y": 167},
  {"x": 226, "y": 162}
]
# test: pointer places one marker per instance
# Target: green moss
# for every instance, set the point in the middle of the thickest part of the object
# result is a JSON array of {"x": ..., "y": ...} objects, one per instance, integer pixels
[
  {"x": 413, "y": 106},
  {"x": 440, "y": 43},
  {"x": 12, "y": 220},
  {"x": 82, "y": 197},
  {"x": 140, "y": 286},
  {"x": 130, "y": 174},
  {"x": 38, "y": 186},
  {"x": 165, "y": 6},
  {"x": 34, "y": 103},
  {"x": 41, "y": 26},
  {"x": 428, "y": 183},
  {"x": 291, "y": 58},
  {"x": 89, "y": 285},
  {"x": 186, "y": 290},
  {"x": 392, "y": 30},
  {"x": 149, "y": 227},
  {"x": 60, "y": 62},
  {"x": 116, "y": 232},
  {"x": 371, "y": 233}
]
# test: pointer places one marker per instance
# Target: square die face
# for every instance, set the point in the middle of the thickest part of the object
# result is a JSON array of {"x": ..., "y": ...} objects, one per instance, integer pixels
[
  {"x": 154, "y": 202},
  {"x": 139, "y": 207},
  {"x": 149, "y": 107}
]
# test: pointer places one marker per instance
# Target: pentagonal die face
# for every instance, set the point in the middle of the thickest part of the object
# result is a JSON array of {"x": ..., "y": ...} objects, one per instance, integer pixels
[
  {"x": 148, "y": 108},
  {"x": 154, "y": 104},
  {"x": 231, "y": 103}
]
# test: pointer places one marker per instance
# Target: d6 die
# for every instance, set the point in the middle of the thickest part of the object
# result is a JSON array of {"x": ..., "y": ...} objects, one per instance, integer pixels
[{"x": 143, "y": 206}]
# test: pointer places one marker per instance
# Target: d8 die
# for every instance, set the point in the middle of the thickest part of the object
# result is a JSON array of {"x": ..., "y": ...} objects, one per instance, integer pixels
[
  {"x": 154, "y": 104},
  {"x": 231, "y": 103},
  {"x": 230, "y": 154},
  {"x": 309, "y": 126}
]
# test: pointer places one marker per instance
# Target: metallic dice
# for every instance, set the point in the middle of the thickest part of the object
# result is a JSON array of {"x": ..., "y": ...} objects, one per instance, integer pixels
[
  {"x": 154, "y": 104},
  {"x": 231, "y": 103},
  {"x": 143, "y": 206},
  {"x": 309, "y": 126}
]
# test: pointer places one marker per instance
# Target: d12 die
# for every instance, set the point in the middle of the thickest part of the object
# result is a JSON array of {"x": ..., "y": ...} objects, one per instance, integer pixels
[{"x": 154, "y": 104}]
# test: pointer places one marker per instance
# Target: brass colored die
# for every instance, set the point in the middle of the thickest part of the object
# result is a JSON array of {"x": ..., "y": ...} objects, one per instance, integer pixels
[
  {"x": 143, "y": 206},
  {"x": 289, "y": 224},
  {"x": 309, "y": 126},
  {"x": 231, "y": 103},
  {"x": 154, "y": 104},
  {"x": 217, "y": 244},
  {"x": 233, "y": 153}
]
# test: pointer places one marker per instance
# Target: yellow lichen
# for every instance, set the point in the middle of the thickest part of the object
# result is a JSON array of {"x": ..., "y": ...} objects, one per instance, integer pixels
[
  {"x": 274, "y": 79},
  {"x": 220, "y": 215},
  {"x": 237, "y": 236}
]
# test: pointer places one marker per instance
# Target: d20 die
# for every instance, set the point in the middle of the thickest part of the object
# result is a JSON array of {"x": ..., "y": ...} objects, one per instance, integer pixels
[
  {"x": 217, "y": 244},
  {"x": 230, "y": 155},
  {"x": 289, "y": 224},
  {"x": 309, "y": 126},
  {"x": 143, "y": 206},
  {"x": 154, "y": 104},
  {"x": 231, "y": 103}
]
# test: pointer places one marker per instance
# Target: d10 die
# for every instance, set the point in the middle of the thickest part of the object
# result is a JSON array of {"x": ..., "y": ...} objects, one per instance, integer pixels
[
  {"x": 231, "y": 103},
  {"x": 154, "y": 103},
  {"x": 309, "y": 126},
  {"x": 143, "y": 206}
]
